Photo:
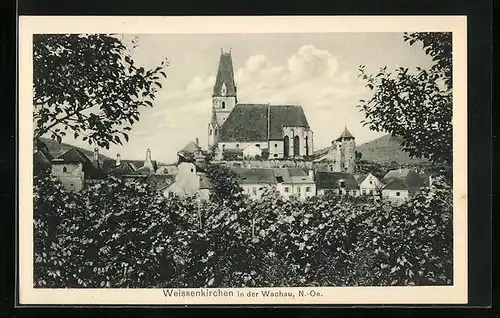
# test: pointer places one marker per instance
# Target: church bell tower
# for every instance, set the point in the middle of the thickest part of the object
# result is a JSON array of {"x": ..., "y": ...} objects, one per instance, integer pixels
[{"x": 223, "y": 97}]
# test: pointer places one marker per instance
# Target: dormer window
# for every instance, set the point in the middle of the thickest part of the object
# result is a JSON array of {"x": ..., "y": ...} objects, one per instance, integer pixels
[
  {"x": 65, "y": 169},
  {"x": 342, "y": 183}
]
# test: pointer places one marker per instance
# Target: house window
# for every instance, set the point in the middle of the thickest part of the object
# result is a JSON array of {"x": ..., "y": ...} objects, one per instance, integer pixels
[
  {"x": 216, "y": 132},
  {"x": 298, "y": 189},
  {"x": 371, "y": 182},
  {"x": 398, "y": 194},
  {"x": 287, "y": 189},
  {"x": 223, "y": 147},
  {"x": 371, "y": 192},
  {"x": 308, "y": 189},
  {"x": 223, "y": 104},
  {"x": 65, "y": 169},
  {"x": 275, "y": 155},
  {"x": 237, "y": 146},
  {"x": 275, "y": 145},
  {"x": 363, "y": 191},
  {"x": 254, "y": 191},
  {"x": 279, "y": 179},
  {"x": 192, "y": 170}
]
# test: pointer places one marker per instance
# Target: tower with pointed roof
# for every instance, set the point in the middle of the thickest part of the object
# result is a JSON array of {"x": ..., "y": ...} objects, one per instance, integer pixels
[
  {"x": 223, "y": 97},
  {"x": 345, "y": 154}
]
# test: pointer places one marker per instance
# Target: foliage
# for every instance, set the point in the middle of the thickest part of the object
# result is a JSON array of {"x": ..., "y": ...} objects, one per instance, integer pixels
[
  {"x": 89, "y": 85},
  {"x": 416, "y": 106},
  {"x": 124, "y": 235},
  {"x": 225, "y": 184}
]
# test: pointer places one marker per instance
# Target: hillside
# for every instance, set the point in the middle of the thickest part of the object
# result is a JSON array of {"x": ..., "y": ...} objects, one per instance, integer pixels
[
  {"x": 56, "y": 149},
  {"x": 385, "y": 150},
  {"x": 382, "y": 150}
]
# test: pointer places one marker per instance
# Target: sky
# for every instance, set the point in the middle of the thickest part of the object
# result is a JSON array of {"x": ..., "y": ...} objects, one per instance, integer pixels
[{"x": 318, "y": 71}]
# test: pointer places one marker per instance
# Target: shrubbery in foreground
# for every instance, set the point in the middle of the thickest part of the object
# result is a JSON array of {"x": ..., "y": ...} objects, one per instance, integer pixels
[{"x": 117, "y": 235}]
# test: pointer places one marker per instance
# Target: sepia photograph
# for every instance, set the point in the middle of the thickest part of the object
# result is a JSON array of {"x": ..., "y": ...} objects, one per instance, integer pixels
[{"x": 257, "y": 166}]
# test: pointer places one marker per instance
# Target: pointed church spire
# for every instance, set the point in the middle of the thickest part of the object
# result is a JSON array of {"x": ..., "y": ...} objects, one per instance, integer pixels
[{"x": 225, "y": 75}]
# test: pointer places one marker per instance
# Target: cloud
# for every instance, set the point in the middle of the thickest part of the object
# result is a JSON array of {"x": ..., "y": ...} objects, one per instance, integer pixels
[
  {"x": 201, "y": 84},
  {"x": 310, "y": 61}
]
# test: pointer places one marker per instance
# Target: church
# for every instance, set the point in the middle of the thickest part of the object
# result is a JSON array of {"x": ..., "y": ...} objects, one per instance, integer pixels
[{"x": 279, "y": 131}]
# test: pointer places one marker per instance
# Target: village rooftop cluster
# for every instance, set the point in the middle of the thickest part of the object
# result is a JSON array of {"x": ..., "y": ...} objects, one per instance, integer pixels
[{"x": 265, "y": 145}]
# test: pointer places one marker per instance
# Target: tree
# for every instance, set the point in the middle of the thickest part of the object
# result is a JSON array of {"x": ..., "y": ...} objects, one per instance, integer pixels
[
  {"x": 416, "y": 106},
  {"x": 89, "y": 85},
  {"x": 225, "y": 184}
]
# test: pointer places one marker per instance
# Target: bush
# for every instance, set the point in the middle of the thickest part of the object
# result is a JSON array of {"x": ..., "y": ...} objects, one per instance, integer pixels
[{"x": 124, "y": 235}]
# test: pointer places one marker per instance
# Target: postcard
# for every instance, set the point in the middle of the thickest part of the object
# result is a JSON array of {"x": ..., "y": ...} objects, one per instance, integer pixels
[{"x": 264, "y": 160}]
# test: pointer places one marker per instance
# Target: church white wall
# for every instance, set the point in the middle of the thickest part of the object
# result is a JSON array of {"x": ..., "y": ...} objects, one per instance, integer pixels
[
  {"x": 302, "y": 132},
  {"x": 242, "y": 145}
]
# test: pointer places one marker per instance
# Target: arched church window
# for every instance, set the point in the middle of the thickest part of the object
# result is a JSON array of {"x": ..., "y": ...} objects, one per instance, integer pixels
[
  {"x": 296, "y": 146},
  {"x": 65, "y": 169},
  {"x": 216, "y": 132},
  {"x": 223, "y": 104},
  {"x": 210, "y": 132},
  {"x": 286, "y": 146}
]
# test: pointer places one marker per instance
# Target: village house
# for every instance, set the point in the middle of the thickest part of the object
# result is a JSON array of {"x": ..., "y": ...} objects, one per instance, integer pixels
[
  {"x": 336, "y": 182},
  {"x": 369, "y": 184},
  {"x": 287, "y": 181},
  {"x": 130, "y": 170},
  {"x": 395, "y": 191},
  {"x": 281, "y": 131},
  {"x": 75, "y": 170}
]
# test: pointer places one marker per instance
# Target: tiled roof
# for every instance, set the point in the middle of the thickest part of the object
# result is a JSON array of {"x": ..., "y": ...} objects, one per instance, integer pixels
[
  {"x": 191, "y": 147},
  {"x": 345, "y": 134},
  {"x": 237, "y": 126},
  {"x": 160, "y": 181},
  {"x": 330, "y": 180},
  {"x": 410, "y": 178},
  {"x": 74, "y": 155},
  {"x": 255, "y": 175},
  {"x": 395, "y": 184},
  {"x": 109, "y": 164},
  {"x": 225, "y": 75},
  {"x": 282, "y": 175},
  {"x": 124, "y": 169},
  {"x": 41, "y": 160}
]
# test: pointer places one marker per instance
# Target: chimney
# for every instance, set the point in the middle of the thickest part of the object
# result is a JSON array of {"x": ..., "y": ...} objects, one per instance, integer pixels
[
  {"x": 311, "y": 174},
  {"x": 118, "y": 159},
  {"x": 197, "y": 141},
  {"x": 148, "y": 163},
  {"x": 148, "y": 154},
  {"x": 96, "y": 154},
  {"x": 430, "y": 181}
]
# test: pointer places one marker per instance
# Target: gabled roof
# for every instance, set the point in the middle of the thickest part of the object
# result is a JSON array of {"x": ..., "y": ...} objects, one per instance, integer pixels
[
  {"x": 410, "y": 178},
  {"x": 395, "y": 184},
  {"x": 41, "y": 160},
  {"x": 282, "y": 175},
  {"x": 361, "y": 177},
  {"x": 110, "y": 164},
  {"x": 160, "y": 181},
  {"x": 75, "y": 155},
  {"x": 190, "y": 147},
  {"x": 255, "y": 175},
  {"x": 345, "y": 135},
  {"x": 124, "y": 169},
  {"x": 225, "y": 75},
  {"x": 331, "y": 180},
  {"x": 262, "y": 117}
]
